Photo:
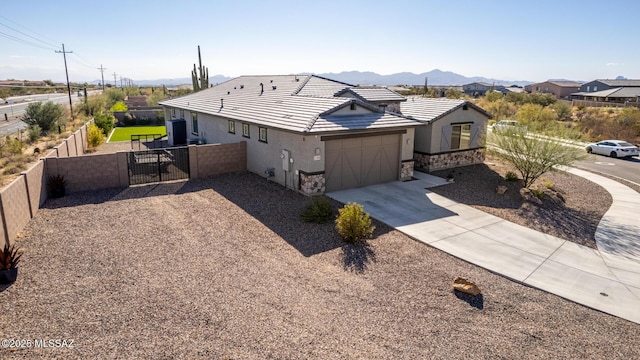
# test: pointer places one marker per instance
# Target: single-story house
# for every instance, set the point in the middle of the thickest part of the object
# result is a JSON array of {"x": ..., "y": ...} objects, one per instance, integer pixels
[
  {"x": 606, "y": 90},
  {"x": 313, "y": 134},
  {"x": 453, "y": 134},
  {"x": 559, "y": 89}
]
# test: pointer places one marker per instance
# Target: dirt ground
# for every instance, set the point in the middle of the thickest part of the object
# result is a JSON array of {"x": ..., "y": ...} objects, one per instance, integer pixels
[
  {"x": 225, "y": 268},
  {"x": 570, "y": 209}
]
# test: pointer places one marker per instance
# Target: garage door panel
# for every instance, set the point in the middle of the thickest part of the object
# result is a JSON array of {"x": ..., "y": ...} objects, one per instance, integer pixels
[{"x": 361, "y": 161}]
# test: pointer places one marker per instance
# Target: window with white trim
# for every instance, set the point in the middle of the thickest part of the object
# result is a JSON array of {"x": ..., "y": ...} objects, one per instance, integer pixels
[
  {"x": 232, "y": 127},
  {"x": 245, "y": 130},
  {"x": 194, "y": 123},
  {"x": 262, "y": 134}
]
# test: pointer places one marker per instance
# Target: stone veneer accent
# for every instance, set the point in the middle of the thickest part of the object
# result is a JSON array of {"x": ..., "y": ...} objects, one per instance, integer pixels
[
  {"x": 448, "y": 160},
  {"x": 406, "y": 171},
  {"x": 312, "y": 183}
]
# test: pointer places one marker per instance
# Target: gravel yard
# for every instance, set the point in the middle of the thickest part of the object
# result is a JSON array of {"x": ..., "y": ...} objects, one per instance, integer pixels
[
  {"x": 224, "y": 268},
  {"x": 573, "y": 215}
]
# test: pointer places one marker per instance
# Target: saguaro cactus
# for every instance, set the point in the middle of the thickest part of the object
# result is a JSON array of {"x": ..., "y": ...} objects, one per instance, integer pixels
[{"x": 200, "y": 75}]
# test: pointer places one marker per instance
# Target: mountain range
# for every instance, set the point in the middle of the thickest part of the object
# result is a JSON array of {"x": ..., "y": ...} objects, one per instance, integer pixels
[{"x": 434, "y": 77}]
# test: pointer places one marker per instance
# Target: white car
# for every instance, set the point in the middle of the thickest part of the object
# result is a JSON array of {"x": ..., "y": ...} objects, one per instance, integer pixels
[
  {"x": 613, "y": 148},
  {"x": 509, "y": 125}
]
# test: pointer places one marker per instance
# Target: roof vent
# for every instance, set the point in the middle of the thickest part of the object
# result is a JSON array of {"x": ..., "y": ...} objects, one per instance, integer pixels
[
  {"x": 241, "y": 86},
  {"x": 221, "y": 103},
  {"x": 261, "y": 88},
  {"x": 228, "y": 92},
  {"x": 234, "y": 88},
  {"x": 271, "y": 80},
  {"x": 273, "y": 87}
]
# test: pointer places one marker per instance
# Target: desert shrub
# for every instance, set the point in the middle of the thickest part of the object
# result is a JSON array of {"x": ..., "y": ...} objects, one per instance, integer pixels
[
  {"x": 34, "y": 132},
  {"x": 105, "y": 122},
  {"x": 14, "y": 169},
  {"x": 538, "y": 193},
  {"x": 548, "y": 184},
  {"x": 95, "y": 136},
  {"x": 353, "y": 223},
  {"x": 118, "y": 106},
  {"x": 318, "y": 211},
  {"x": 129, "y": 119},
  {"x": 46, "y": 115},
  {"x": 511, "y": 176},
  {"x": 14, "y": 146}
]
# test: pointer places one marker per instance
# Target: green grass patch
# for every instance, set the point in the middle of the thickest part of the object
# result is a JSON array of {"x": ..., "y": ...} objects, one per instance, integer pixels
[{"x": 124, "y": 133}]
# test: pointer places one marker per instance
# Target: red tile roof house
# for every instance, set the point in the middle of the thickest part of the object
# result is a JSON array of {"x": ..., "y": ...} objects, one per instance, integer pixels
[{"x": 318, "y": 135}]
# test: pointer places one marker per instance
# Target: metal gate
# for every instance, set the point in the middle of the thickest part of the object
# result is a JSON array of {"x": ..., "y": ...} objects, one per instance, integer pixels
[{"x": 149, "y": 166}]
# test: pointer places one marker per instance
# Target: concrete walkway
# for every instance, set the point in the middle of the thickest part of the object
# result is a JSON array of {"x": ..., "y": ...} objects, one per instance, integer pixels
[{"x": 607, "y": 279}]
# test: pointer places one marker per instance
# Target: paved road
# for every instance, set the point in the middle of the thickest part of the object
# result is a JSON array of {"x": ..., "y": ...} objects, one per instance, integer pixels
[
  {"x": 628, "y": 169},
  {"x": 16, "y": 110}
]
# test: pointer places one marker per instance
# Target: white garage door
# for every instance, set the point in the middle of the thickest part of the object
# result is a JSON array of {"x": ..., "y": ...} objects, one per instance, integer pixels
[{"x": 361, "y": 161}]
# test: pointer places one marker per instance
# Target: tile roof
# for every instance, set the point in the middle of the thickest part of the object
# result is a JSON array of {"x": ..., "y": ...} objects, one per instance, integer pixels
[
  {"x": 619, "y": 92},
  {"x": 317, "y": 86},
  {"x": 565, "y": 83},
  {"x": 373, "y": 94},
  {"x": 620, "y": 83},
  {"x": 432, "y": 109},
  {"x": 331, "y": 123},
  {"x": 288, "y": 102}
]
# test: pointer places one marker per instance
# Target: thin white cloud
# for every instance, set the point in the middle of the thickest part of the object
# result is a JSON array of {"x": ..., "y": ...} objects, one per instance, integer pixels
[{"x": 612, "y": 64}]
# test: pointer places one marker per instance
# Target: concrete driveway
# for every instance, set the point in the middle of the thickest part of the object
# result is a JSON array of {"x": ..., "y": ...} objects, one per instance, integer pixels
[{"x": 572, "y": 271}]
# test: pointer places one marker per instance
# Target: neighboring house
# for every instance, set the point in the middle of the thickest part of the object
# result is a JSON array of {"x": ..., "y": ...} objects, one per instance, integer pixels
[
  {"x": 559, "y": 89},
  {"x": 513, "y": 89},
  {"x": 135, "y": 101},
  {"x": 476, "y": 89},
  {"x": 307, "y": 132},
  {"x": 453, "y": 135},
  {"x": 605, "y": 90}
]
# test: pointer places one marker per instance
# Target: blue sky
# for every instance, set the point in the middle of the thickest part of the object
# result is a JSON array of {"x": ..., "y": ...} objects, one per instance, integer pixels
[{"x": 139, "y": 39}]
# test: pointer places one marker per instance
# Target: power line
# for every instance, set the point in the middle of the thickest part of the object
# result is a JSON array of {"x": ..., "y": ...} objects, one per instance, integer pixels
[
  {"x": 64, "y": 54},
  {"x": 25, "y": 34},
  {"x": 51, "y": 41},
  {"x": 26, "y": 42},
  {"x": 102, "y": 73}
]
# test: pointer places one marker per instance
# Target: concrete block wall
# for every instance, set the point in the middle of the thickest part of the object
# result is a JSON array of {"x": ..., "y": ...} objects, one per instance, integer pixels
[
  {"x": 214, "y": 159},
  {"x": 90, "y": 172},
  {"x": 36, "y": 186},
  {"x": 14, "y": 208}
]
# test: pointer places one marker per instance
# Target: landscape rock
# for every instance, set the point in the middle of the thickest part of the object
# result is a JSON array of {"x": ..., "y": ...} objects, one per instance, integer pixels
[
  {"x": 527, "y": 195},
  {"x": 501, "y": 189},
  {"x": 467, "y": 287}
]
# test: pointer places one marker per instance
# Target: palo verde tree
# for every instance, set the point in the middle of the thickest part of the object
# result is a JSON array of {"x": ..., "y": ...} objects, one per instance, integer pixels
[
  {"x": 45, "y": 115},
  {"x": 534, "y": 155}
]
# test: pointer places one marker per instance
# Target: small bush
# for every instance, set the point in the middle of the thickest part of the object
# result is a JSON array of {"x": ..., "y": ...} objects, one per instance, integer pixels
[
  {"x": 105, "y": 122},
  {"x": 95, "y": 135},
  {"x": 511, "y": 176},
  {"x": 14, "y": 169},
  {"x": 538, "y": 193},
  {"x": 14, "y": 146},
  {"x": 318, "y": 211},
  {"x": 548, "y": 184},
  {"x": 353, "y": 223},
  {"x": 129, "y": 119},
  {"x": 34, "y": 132}
]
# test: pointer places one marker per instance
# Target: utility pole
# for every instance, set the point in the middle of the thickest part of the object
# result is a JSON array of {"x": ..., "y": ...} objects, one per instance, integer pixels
[
  {"x": 64, "y": 55},
  {"x": 102, "y": 72},
  {"x": 120, "y": 81},
  {"x": 115, "y": 82}
]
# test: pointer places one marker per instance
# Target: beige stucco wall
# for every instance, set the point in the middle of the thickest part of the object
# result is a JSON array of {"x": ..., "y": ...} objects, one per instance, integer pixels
[
  {"x": 91, "y": 172},
  {"x": 261, "y": 156},
  {"x": 428, "y": 137}
]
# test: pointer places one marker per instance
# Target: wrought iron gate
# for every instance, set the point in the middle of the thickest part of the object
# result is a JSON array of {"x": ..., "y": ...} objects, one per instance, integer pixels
[{"x": 149, "y": 166}]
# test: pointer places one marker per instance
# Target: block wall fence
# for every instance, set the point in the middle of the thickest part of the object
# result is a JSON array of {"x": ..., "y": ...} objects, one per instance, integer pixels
[{"x": 21, "y": 199}]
